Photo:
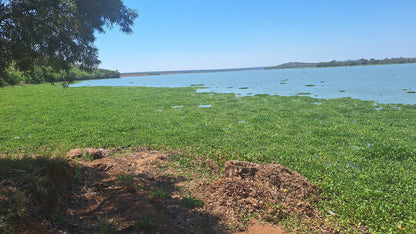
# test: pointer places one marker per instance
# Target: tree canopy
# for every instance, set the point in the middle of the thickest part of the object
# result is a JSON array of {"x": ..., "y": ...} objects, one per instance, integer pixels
[{"x": 56, "y": 33}]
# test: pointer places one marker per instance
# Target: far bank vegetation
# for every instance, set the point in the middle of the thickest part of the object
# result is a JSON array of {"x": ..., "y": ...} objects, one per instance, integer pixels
[
  {"x": 42, "y": 74},
  {"x": 334, "y": 63}
]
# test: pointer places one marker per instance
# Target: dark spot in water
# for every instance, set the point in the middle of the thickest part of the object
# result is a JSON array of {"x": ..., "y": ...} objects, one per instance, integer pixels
[
  {"x": 284, "y": 80},
  {"x": 196, "y": 85},
  {"x": 411, "y": 91},
  {"x": 322, "y": 81},
  {"x": 309, "y": 85},
  {"x": 229, "y": 87},
  {"x": 283, "y": 83},
  {"x": 131, "y": 82},
  {"x": 405, "y": 89},
  {"x": 243, "y": 88},
  {"x": 342, "y": 90}
]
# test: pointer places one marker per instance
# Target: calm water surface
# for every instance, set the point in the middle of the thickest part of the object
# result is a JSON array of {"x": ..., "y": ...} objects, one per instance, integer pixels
[{"x": 384, "y": 84}]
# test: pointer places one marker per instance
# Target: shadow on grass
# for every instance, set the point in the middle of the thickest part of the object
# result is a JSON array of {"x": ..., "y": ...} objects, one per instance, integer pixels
[
  {"x": 134, "y": 203},
  {"x": 40, "y": 194},
  {"x": 32, "y": 187}
]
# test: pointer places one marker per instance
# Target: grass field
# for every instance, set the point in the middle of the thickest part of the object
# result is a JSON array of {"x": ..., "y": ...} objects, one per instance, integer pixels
[{"x": 363, "y": 155}]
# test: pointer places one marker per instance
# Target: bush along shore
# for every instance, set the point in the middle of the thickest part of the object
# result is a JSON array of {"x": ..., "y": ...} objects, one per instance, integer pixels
[
  {"x": 360, "y": 153},
  {"x": 46, "y": 74}
]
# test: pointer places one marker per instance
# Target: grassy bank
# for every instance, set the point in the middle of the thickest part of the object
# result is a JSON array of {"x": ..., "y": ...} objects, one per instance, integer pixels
[{"x": 362, "y": 155}]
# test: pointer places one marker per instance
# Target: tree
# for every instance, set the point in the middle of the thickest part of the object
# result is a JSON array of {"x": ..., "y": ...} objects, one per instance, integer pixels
[{"x": 56, "y": 33}]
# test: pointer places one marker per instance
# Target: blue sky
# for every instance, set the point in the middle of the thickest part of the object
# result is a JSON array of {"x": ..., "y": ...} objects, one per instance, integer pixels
[{"x": 193, "y": 34}]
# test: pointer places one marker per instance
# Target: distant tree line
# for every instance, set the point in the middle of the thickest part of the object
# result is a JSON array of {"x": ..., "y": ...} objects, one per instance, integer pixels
[
  {"x": 292, "y": 65},
  {"x": 362, "y": 61},
  {"x": 47, "y": 74}
]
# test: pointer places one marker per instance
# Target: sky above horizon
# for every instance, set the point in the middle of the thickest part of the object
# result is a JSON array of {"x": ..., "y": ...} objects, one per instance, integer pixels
[{"x": 188, "y": 35}]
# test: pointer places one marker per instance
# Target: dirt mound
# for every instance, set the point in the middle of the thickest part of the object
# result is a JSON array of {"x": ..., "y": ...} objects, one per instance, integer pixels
[
  {"x": 143, "y": 191},
  {"x": 272, "y": 192},
  {"x": 87, "y": 152},
  {"x": 131, "y": 192}
]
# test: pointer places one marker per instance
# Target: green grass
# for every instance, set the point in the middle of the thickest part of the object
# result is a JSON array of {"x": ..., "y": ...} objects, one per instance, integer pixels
[
  {"x": 147, "y": 222},
  {"x": 125, "y": 178},
  {"x": 191, "y": 202},
  {"x": 160, "y": 194},
  {"x": 362, "y": 157}
]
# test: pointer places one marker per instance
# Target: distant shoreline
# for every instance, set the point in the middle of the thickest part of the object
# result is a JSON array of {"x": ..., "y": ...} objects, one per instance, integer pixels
[
  {"x": 289, "y": 65},
  {"x": 347, "y": 63},
  {"x": 155, "y": 73}
]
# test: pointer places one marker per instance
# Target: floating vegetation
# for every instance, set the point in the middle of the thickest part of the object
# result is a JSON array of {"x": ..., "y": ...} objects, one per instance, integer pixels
[
  {"x": 310, "y": 85},
  {"x": 283, "y": 83},
  {"x": 406, "y": 89},
  {"x": 262, "y": 95},
  {"x": 322, "y": 81},
  {"x": 411, "y": 91},
  {"x": 342, "y": 91},
  {"x": 230, "y": 87},
  {"x": 284, "y": 80},
  {"x": 346, "y": 132},
  {"x": 197, "y": 85},
  {"x": 243, "y": 88},
  {"x": 303, "y": 94}
]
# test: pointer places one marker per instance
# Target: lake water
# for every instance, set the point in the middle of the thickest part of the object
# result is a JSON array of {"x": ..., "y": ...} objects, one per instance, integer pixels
[{"x": 386, "y": 84}]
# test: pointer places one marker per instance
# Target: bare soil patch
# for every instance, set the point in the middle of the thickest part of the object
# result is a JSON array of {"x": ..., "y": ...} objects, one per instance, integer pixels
[{"x": 142, "y": 191}]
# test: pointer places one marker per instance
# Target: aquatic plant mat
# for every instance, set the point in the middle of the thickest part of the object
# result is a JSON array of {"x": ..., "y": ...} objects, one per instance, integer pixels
[
  {"x": 142, "y": 190},
  {"x": 360, "y": 153}
]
